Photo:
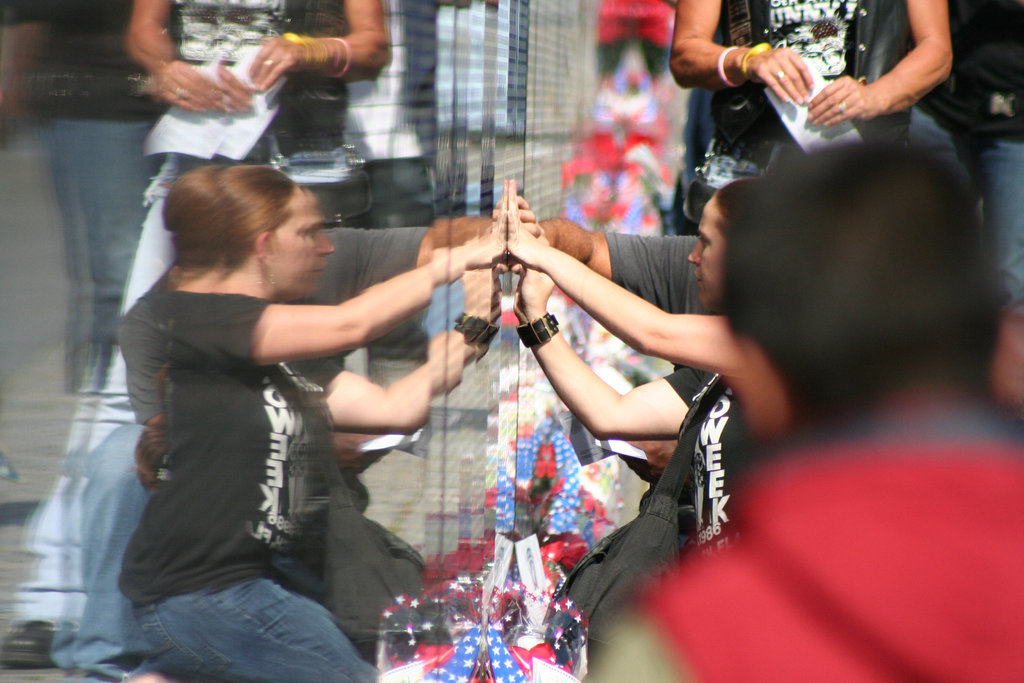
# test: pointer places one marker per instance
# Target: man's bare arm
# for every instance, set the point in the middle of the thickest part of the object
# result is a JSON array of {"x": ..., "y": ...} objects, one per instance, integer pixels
[{"x": 590, "y": 248}]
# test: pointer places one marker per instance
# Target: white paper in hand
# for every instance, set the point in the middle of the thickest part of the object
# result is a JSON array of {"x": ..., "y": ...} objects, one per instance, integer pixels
[
  {"x": 811, "y": 136},
  {"x": 387, "y": 442},
  {"x": 205, "y": 134}
]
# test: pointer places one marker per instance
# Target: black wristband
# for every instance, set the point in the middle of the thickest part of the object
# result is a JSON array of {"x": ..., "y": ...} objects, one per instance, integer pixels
[
  {"x": 538, "y": 331},
  {"x": 475, "y": 329}
]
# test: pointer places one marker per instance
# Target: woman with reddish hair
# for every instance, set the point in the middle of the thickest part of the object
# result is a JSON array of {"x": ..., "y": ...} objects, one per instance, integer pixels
[{"x": 234, "y": 455}]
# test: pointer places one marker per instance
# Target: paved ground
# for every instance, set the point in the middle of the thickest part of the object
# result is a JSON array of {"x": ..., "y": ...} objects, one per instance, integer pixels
[
  {"x": 34, "y": 410},
  {"x": 33, "y": 425}
]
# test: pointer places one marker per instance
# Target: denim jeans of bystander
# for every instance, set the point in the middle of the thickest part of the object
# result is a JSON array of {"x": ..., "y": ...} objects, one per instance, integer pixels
[
  {"x": 252, "y": 632},
  {"x": 994, "y": 167}
]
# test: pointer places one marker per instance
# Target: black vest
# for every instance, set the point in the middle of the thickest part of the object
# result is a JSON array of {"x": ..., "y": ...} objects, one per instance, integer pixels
[{"x": 881, "y": 40}]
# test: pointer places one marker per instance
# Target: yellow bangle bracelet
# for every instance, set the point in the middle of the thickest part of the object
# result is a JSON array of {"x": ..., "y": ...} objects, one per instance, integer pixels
[
  {"x": 315, "y": 51},
  {"x": 756, "y": 50}
]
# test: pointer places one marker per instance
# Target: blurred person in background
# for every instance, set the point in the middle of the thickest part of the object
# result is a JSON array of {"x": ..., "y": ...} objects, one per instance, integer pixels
[
  {"x": 975, "y": 122},
  {"x": 315, "y": 46},
  {"x": 878, "y": 57},
  {"x": 381, "y": 125},
  {"x": 69, "y": 75},
  {"x": 882, "y": 534}
]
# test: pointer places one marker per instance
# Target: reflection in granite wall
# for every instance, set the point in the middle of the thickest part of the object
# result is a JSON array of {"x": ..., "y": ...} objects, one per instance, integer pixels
[{"x": 485, "y": 91}]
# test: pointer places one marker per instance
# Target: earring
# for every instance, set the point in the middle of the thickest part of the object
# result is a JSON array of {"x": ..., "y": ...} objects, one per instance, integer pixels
[{"x": 269, "y": 276}]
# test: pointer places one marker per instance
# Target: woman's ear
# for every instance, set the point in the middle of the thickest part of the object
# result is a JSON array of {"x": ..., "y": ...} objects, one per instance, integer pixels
[{"x": 264, "y": 244}]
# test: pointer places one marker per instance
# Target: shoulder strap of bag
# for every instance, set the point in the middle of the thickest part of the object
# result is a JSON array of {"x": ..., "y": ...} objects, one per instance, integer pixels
[
  {"x": 672, "y": 479},
  {"x": 740, "y": 32},
  {"x": 340, "y": 491}
]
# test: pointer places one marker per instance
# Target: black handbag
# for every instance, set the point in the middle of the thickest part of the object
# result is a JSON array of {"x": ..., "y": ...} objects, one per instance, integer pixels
[
  {"x": 603, "y": 581},
  {"x": 735, "y": 111},
  {"x": 366, "y": 567}
]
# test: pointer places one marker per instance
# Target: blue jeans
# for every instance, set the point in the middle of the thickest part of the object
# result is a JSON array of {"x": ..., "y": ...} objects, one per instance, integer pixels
[
  {"x": 994, "y": 168},
  {"x": 255, "y": 631},
  {"x": 108, "y": 642},
  {"x": 57, "y": 590},
  {"x": 99, "y": 176}
]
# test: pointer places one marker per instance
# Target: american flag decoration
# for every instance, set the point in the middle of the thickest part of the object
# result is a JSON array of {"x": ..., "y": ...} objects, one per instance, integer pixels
[
  {"x": 505, "y": 501},
  {"x": 460, "y": 667},
  {"x": 563, "y": 512},
  {"x": 526, "y": 455},
  {"x": 503, "y": 667}
]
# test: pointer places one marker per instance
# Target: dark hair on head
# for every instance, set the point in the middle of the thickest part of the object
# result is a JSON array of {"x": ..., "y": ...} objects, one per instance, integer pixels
[
  {"x": 732, "y": 196},
  {"x": 215, "y": 213},
  {"x": 860, "y": 272}
]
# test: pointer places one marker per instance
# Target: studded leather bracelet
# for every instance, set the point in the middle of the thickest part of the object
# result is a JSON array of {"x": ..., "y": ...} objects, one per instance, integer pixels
[
  {"x": 538, "y": 331},
  {"x": 475, "y": 329}
]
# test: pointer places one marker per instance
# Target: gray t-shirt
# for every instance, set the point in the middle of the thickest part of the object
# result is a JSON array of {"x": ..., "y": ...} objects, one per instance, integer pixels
[
  {"x": 656, "y": 269},
  {"x": 363, "y": 258}
]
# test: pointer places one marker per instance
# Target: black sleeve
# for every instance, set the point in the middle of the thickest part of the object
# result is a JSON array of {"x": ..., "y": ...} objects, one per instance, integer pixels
[
  {"x": 192, "y": 330},
  {"x": 687, "y": 382},
  {"x": 210, "y": 330},
  {"x": 656, "y": 269},
  {"x": 144, "y": 348}
]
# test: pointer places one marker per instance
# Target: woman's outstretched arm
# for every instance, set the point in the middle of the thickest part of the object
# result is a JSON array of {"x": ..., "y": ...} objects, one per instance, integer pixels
[{"x": 701, "y": 341}]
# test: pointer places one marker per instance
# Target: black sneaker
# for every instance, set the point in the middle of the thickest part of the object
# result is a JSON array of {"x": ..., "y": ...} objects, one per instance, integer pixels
[{"x": 27, "y": 646}]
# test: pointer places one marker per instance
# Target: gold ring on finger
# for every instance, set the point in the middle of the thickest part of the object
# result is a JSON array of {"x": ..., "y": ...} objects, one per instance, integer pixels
[
  {"x": 842, "y": 108},
  {"x": 181, "y": 93},
  {"x": 781, "y": 75},
  {"x": 268, "y": 62}
]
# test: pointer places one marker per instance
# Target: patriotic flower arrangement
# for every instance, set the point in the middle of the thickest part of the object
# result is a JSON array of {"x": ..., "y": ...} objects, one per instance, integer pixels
[{"x": 446, "y": 637}]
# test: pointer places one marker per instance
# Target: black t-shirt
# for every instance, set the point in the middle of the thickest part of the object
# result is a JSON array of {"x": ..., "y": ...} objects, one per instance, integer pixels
[
  {"x": 722, "y": 451},
  {"x": 83, "y": 71},
  {"x": 242, "y": 441},
  {"x": 988, "y": 58},
  {"x": 361, "y": 258},
  {"x": 311, "y": 115}
]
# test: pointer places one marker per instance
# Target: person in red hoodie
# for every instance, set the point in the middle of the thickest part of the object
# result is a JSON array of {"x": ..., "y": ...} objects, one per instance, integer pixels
[{"x": 882, "y": 536}]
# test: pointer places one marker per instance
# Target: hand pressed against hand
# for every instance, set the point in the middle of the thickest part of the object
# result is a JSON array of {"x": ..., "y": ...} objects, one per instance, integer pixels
[{"x": 532, "y": 294}]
